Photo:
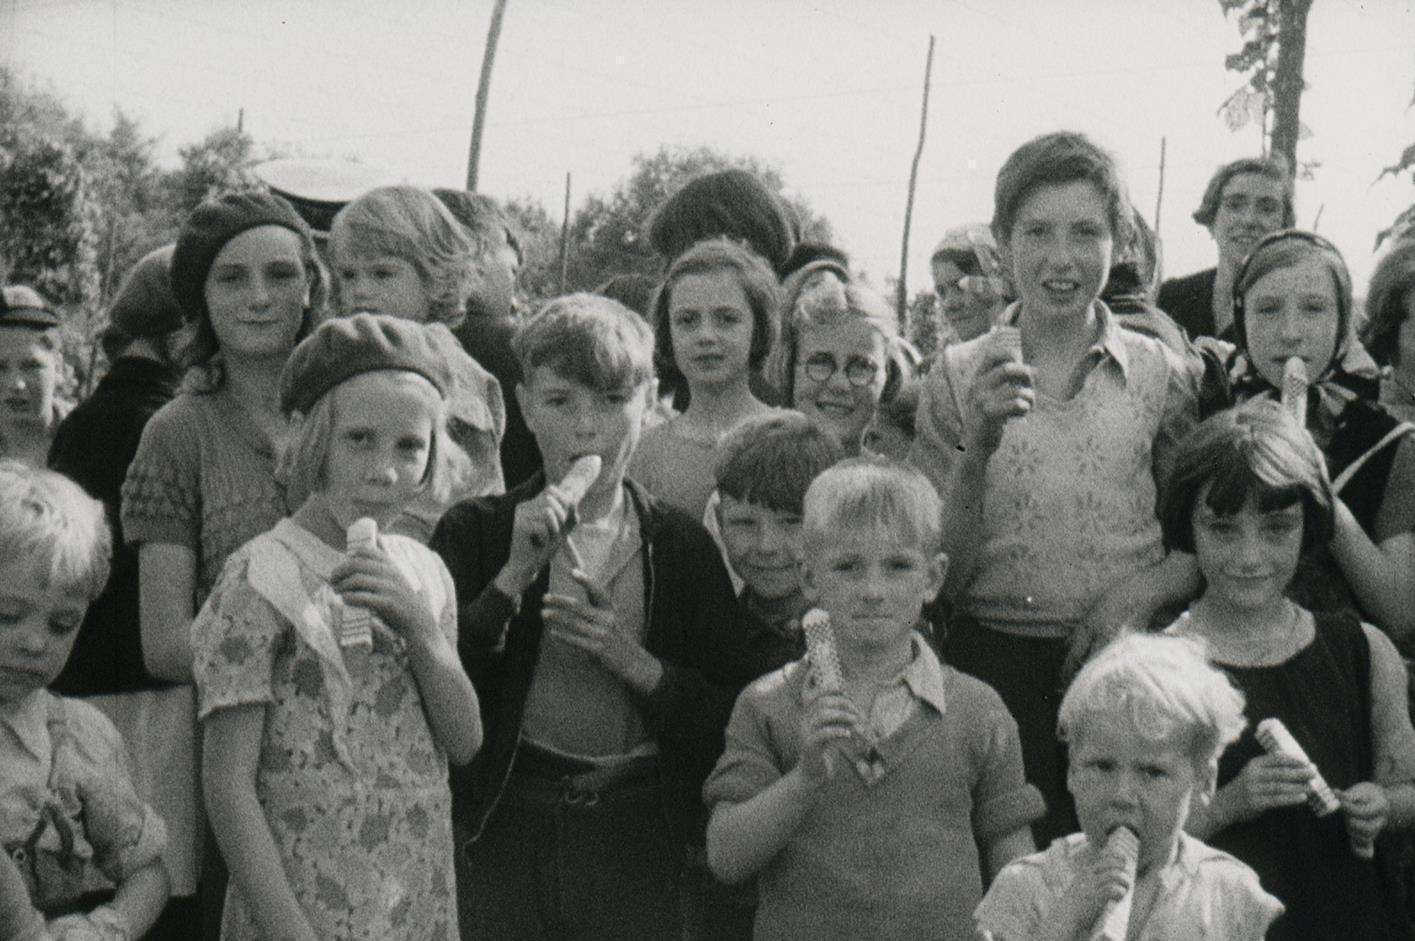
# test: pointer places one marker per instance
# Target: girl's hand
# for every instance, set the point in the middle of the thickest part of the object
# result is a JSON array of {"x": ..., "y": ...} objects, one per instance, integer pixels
[
  {"x": 369, "y": 579},
  {"x": 590, "y": 624},
  {"x": 829, "y": 719},
  {"x": 537, "y": 531},
  {"x": 1104, "y": 879},
  {"x": 1270, "y": 781},
  {"x": 1367, "y": 810},
  {"x": 1002, "y": 389}
]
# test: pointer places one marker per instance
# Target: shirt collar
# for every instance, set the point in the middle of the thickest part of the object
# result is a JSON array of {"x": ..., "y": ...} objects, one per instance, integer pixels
[
  {"x": 28, "y": 722},
  {"x": 924, "y": 675},
  {"x": 1110, "y": 342}
]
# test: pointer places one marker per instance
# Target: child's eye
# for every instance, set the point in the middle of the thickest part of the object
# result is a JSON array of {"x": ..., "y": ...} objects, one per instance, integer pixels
[
  {"x": 616, "y": 398},
  {"x": 683, "y": 318},
  {"x": 900, "y": 565},
  {"x": 1155, "y": 772},
  {"x": 416, "y": 445},
  {"x": 61, "y": 627}
]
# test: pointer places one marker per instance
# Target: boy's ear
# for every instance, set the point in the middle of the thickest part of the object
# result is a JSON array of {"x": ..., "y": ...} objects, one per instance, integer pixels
[
  {"x": 651, "y": 393},
  {"x": 1206, "y": 784}
]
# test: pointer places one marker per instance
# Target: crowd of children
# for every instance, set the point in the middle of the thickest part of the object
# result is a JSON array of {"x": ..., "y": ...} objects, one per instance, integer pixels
[{"x": 1089, "y": 628}]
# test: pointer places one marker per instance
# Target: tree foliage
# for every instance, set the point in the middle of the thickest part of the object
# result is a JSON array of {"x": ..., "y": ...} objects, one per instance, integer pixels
[
  {"x": 81, "y": 207},
  {"x": 1404, "y": 225},
  {"x": 1274, "y": 34},
  {"x": 608, "y": 234}
]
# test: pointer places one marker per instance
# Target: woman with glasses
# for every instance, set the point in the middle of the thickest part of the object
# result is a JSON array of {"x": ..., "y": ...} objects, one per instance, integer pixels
[
  {"x": 840, "y": 354},
  {"x": 1292, "y": 298}
]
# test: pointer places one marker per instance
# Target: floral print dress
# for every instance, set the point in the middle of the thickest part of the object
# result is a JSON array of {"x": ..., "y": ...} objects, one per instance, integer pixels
[{"x": 353, "y": 786}]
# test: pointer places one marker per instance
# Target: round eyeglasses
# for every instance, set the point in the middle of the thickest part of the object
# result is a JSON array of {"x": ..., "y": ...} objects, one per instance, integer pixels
[{"x": 859, "y": 370}]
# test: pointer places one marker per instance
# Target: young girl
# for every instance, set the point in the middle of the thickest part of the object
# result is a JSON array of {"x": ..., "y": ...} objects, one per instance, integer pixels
[
  {"x": 398, "y": 251},
  {"x": 714, "y": 322},
  {"x": 1292, "y": 297},
  {"x": 203, "y": 480},
  {"x": 31, "y": 365},
  {"x": 1248, "y": 495},
  {"x": 837, "y": 360},
  {"x": 1389, "y": 332},
  {"x": 78, "y": 846},
  {"x": 1146, "y": 721},
  {"x": 326, "y": 763}
]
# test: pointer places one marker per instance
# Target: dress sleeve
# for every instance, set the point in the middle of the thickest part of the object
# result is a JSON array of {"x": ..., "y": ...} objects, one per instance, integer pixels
[
  {"x": 938, "y": 423},
  {"x": 125, "y": 833},
  {"x": 750, "y": 763},
  {"x": 1391, "y": 732},
  {"x": 1397, "y": 513},
  {"x": 162, "y": 492},
  {"x": 1003, "y": 801},
  {"x": 234, "y": 641},
  {"x": 1016, "y": 903}
]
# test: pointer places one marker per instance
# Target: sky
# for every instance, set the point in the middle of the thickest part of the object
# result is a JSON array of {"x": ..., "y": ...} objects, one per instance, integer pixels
[{"x": 829, "y": 92}]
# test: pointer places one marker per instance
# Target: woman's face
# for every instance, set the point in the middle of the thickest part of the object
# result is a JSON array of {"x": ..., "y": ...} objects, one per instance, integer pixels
[
  {"x": 840, "y": 374},
  {"x": 256, "y": 292},
  {"x": 1290, "y": 312},
  {"x": 1060, "y": 250}
]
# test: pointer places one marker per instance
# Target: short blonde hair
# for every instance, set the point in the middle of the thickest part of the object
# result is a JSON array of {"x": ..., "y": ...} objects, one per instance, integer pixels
[
  {"x": 49, "y": 520},
  {"x": 807, "y": 302},
  {"x": 410, "y": 223},
  {"x": 300, "y": 465},
  {"x": 1167, "y": 689},
  {"x": 872, "y": 491}
]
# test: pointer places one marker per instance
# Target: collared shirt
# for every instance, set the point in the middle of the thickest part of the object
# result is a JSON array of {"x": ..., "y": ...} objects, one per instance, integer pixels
[
  {"x": 69, "y": 815},
  {"x": 1069, "y": 504},
  {"x": 575, "y": 706},
  {"x": 1204, "y": 893}
]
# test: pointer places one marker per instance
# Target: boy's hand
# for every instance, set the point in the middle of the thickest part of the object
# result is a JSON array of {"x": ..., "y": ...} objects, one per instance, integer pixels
[
  {"x": 1001, "y": 389},
  {"x": 1367, "y": 810},
  {"x": 1104, "y": 879},
  {"x": 829, "y": 719},
  {"x": 538, "y": 529},
  {"x": 591, "y": 625},
  {"x": 369, "y": 579},
  {"x": 1270, "y": 781}
]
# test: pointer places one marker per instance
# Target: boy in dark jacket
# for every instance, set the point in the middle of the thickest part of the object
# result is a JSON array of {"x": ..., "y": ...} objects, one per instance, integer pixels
[{"x": 602, "y": 638}]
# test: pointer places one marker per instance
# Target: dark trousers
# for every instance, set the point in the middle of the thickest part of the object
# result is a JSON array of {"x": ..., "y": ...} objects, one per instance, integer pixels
[
  {"x": 567, "y": 856},
  {"x": 713, "y": 911},
  {"x": 1025, "y": 671}
]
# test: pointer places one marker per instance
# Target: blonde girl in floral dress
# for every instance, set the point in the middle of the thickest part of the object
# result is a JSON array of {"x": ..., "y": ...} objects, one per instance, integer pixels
[{"x": 326, "y": 770}]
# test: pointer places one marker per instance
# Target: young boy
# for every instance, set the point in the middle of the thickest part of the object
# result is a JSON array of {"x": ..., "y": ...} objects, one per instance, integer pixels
[
  {"x": 601, "y": 639},
  {"x": 876, "y": 810},
  {"x": 1046, "y": 451},
  {"x": 31, "y": 365},
  {"x": 1146, "y": 720},
  {"x": 763, "y": 467},
  {"x": 70, "y": 820}
]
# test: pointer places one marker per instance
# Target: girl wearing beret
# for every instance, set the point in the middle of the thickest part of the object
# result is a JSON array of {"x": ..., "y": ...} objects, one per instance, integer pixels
[
  {"x": 203, "y": 480},
  {"x": 328, "y": 684}
]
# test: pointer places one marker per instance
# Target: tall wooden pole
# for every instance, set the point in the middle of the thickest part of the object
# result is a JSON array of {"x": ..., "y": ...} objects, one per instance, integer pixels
[
  {"x": 493, "y": 34},
  {"x": 1159, "y": 194},
  {"x": 565, "y": 236},
  {"x": 902, "y": 293}
]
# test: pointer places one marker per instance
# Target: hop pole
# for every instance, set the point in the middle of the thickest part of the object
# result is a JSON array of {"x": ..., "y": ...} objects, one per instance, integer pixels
[{"x": 902, "y": 292}]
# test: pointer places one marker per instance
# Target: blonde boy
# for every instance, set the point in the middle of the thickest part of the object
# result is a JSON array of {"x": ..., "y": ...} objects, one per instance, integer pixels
[
  {"x": 1146, "y": 721},
  {"x": 876, "y": 810}
]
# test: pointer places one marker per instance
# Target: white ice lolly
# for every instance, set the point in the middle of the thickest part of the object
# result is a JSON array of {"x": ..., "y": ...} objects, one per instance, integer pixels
[
  {"x": 1115, "y": 918},
  {"x": 1294, "y": 389},
  {"x": 577, "y": 480},
  {"x": 356, "y": 624},
  {"x": 1276, "y": 739},
  {"x": 820, "y": 647}
]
